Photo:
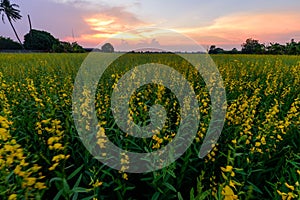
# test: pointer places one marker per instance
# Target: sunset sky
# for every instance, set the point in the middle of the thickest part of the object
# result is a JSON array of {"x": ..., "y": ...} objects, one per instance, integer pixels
[{"x": 226, "y": 24}]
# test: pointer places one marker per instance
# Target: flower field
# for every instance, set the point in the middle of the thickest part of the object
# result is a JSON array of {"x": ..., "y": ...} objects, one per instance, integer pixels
[{"x": 257, "y": 155}]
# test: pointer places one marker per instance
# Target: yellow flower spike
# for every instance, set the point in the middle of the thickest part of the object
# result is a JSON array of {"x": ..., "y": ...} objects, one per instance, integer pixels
[
  {"x": 289, "y": 186},
  {"x": 298, "y": 171}
]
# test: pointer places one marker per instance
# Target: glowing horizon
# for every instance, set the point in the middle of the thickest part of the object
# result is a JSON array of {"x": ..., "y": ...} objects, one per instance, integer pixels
[{"x": 90, "y": 22}]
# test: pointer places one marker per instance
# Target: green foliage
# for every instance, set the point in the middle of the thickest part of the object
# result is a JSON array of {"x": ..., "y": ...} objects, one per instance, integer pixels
[
  {"x": 258, "y": 148},
  {"x": 66, "y": 47},
  {"x": 252, "y": 46},
  {"x": 9, "y": 44},
  {"x": 39, "y": 40},
  {"x": 215, "y": 50}
]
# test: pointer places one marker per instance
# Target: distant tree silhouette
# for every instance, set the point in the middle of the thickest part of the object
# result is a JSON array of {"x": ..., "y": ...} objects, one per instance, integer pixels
[
  {"x": 66, "y": 47},
  {"x": 39, "y": 40},
  {"x": 12, "y": 13},
  {"x": 108, "y": 48},
  {"x": 276, "y": 49},
  {"x": 215, "y": 50},
  {"x": 234, "y": 51},
  {"x": 9, "y": 44},
  {"x": 252, "y": 46},
  {"x": 291, "y": 48}
]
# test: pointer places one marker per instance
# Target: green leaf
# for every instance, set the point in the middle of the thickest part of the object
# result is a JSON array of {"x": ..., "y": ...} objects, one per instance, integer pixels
[
  {"x": 155, "y": 196},
  {"x": 55, "y": 179},
  {"x": 80, "y": 190},
  {"x": 66, "y": 186},
  {"x": 57, "y": 196},
  {"x": 192, "y": 196},
  {"x": 75, "y": 172},
  {"x": 168, "y": 185},
  {"x": 255, "y": 188},
  {"x": 78, "y": 181},
  {"x": 180, "y": 196},
  {"x": 89, "y": 198}
]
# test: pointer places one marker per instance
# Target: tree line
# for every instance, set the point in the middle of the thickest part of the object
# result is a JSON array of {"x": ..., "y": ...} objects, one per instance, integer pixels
[{"x": 252, "y": 46}]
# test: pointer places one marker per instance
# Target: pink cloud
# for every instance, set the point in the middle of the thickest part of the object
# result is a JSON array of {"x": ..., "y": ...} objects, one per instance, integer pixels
[{"x": 236, "y": 28}]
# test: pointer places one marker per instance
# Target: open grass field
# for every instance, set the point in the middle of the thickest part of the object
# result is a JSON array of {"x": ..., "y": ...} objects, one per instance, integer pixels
[{"x": 257, "y": 155}]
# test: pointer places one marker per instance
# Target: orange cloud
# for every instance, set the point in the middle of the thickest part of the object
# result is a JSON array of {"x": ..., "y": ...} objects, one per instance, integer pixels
[
  {"x": 236, "y": 28},
  {"x": 107, "y": 24},
  {"x": 224, "y": 31}
]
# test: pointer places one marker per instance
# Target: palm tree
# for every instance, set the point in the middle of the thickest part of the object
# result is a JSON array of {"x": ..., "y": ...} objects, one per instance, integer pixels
[{"x": 12, "y": 13}]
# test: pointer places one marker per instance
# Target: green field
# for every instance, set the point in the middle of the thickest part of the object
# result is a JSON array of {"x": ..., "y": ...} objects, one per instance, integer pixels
[{"x": 257, "y": 155}]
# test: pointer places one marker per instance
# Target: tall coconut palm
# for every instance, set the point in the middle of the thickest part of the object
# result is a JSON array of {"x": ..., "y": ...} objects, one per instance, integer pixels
[{"x": 12, "y": 13}]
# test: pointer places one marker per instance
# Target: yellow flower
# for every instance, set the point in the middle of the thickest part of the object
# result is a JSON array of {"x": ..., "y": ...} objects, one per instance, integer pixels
[
  {"x": 53, "y": 167},
  {"x": 57, "y": 158},
  {"x": 263, "y": 141},
  {"x": 12, "y": 197},
  {"x": 97, "y": 184},
  {"x": 231, "y": 183},
  {"x": 289, "y": 186},
  {"x": 282, "y": 194},
  {"x": 35, "y": 168},
  {"x": 57, "y": 146},
  {"x": 227, "y": 169},
  {"x": 228, "y": 193},
  {"x": 30, "y": 181},
  {"x": 18, "y": 169},
  {"x": 45, "y": 121},
  {"x": 3, "y": 131},
  {"x": 125, "y": 176},
  {"x": 39, "y": 185},
  {"x": 232, "y": 174}
]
